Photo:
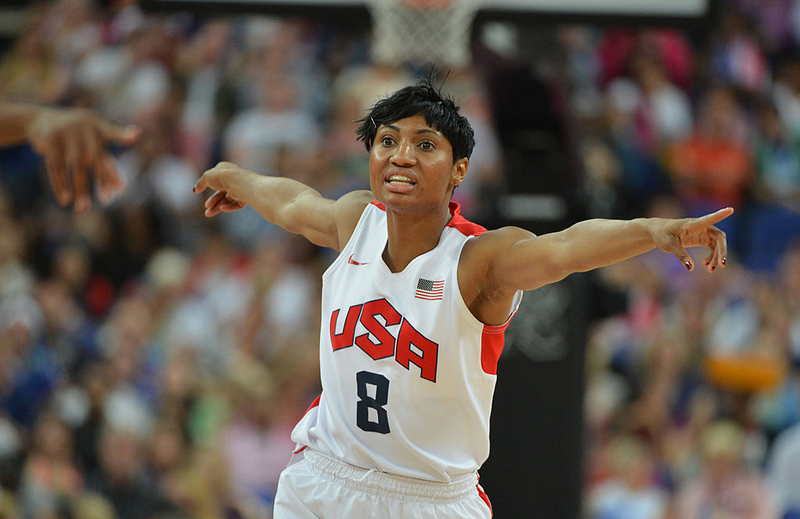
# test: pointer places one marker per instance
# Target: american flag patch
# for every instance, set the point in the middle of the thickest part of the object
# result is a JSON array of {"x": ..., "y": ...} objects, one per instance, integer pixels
[{"x": 430, "y": 290}]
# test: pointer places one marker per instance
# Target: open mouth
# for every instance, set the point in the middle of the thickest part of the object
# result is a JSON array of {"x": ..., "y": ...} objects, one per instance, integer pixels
[{"x": 400, "y": 180}]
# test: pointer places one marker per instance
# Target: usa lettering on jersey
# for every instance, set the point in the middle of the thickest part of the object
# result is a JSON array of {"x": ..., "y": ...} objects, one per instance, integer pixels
[{"x": 408, "y": 347}]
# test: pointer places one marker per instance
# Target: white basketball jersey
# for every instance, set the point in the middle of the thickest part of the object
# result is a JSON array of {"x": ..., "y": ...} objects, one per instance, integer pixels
[{"x": 408, "y": 373}]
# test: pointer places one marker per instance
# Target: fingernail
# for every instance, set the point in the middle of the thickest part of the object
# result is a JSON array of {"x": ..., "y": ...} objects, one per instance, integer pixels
[
  {"x": 713, "y": 268},
  {"x": 724, "y": 260},
  {"x": 688, "y": 265}
]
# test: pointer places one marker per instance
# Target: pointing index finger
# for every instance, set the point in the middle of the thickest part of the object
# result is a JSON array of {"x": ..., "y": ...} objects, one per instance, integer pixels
[{"x": 713, "y": 218}]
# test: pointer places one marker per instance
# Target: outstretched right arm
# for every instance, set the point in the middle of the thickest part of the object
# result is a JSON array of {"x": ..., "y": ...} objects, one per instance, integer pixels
[{"x": 285, "y": 202}]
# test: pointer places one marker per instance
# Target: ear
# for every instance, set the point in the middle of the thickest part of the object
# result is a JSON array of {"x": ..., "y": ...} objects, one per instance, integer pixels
[{"x": 459, "y": 171}]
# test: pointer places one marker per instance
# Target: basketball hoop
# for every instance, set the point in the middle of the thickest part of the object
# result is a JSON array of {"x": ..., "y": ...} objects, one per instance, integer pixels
[{"x": 422, "y": 32}]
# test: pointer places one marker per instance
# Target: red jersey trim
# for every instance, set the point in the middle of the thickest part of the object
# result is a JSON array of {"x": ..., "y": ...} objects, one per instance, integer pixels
[
  {"x": 314, "y": 404},
  {"x": 461, "y": 224},
  {"x": 457, "y": 221},
  {"x": 485, "y": 498},
  {"x": 492, "y": 342}
]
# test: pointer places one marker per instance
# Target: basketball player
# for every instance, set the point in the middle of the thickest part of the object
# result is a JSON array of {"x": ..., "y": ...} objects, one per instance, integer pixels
[
  {"x": 413, "y": 313},
  {"x": 72, "y": 141}
]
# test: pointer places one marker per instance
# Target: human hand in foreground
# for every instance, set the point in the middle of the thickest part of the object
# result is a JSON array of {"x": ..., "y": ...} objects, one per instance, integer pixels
[
  {"x": 73, "y": 141},
  {"x": 220, "y": 178},
  {"x": 674, "y": 236}
]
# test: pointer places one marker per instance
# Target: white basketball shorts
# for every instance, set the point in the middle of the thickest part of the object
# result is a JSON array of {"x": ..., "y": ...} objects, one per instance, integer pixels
[{"x": 318, "y": 486}]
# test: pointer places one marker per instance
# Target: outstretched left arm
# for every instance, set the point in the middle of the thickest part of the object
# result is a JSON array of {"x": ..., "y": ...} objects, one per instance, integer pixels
[{"x": 528, "y": 262}]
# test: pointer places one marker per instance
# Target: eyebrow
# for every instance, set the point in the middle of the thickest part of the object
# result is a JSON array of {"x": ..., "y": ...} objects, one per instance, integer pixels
[{"x": 421, "y": 130}]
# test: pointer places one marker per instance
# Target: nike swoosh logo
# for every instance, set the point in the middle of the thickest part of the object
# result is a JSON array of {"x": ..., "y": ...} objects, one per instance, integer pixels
[{"x": 351, "y": 261}]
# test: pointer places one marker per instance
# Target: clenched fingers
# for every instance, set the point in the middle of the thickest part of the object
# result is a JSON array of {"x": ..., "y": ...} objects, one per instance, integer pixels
[{"x": 221, "y": 202}]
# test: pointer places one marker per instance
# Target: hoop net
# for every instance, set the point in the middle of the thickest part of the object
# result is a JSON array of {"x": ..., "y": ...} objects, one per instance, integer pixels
[{"x": 422, "y": 32}]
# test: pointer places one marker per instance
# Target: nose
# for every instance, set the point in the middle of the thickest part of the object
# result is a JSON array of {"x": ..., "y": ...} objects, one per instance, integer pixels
[{"x": 404, "y": 155}]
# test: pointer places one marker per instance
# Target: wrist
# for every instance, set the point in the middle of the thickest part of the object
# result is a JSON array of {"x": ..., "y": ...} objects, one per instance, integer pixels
[{"x": 649, "y": 229}]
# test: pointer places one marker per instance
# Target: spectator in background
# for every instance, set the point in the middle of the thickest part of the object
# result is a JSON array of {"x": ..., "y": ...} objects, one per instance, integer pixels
[
  {"x": 713, "y": 166},
  {"x": 681, "y": 446},
  {"x": 784, "y": 471},
  {"x": 73, "y": 28},
  {"x": 27, "y": 378},
  {"x": 158, "y": 176},
  {"x": 632, "y": 491},
  {"x": 146, "y": 79},
  {"x": 774, "y": 214},
  {"x": 16, "y": 275},
  {"x": 50, "y": 477},
  {"x": 736, "y": 58},
  {"x": 202, "y": 65},
  {"x": 277, "y": 127},
  {"x": 772, "y": 21},
  {"x": 647, "y": 113},
  {"x": 665, "y": 113},
  {"x": 726, "y": 486},
  {"x": 255, "y": 136},
  {"x": 30, "y": 70},
  {"x": 786, "y": 94},
  {"x": 617, "y": 45},
  {"x": 777, "y": 155},
  {"x": 121, "y": 476}
]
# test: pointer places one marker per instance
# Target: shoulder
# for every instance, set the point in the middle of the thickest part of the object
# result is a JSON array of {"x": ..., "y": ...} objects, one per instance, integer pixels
[
  {"x": 480, "y": 253},
  {"x": 360, "y": 197},
  {"x": 347, "y": 211},
  {"x": 352, "y": 204},
  {"x": 497, "y": 240}
]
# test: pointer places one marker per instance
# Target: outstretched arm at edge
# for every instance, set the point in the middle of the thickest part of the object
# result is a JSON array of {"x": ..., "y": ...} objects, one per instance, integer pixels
[
  {"x": 525, "y": 261},
  {"x": 72, "y": 141},
  {"x": 287, "y": 203}
]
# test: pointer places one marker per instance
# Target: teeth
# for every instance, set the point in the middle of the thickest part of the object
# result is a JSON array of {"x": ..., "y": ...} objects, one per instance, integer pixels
[{"x": 400, "y": 178}]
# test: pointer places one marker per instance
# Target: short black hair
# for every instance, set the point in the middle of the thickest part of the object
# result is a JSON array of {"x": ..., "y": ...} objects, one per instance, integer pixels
[{"x": 439, "y": 111}]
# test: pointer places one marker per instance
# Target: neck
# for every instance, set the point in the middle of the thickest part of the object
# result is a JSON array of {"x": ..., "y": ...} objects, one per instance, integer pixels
[{"x": 411, "y": 236}]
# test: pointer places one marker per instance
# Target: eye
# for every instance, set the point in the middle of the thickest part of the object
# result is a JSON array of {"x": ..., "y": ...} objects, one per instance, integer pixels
[
  {"x": 426, "y": 145},
  {"x": 387, "y": 141}
]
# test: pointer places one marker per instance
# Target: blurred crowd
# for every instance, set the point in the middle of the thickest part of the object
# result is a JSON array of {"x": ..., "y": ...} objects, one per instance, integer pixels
[{"x": 153, "y": 361}]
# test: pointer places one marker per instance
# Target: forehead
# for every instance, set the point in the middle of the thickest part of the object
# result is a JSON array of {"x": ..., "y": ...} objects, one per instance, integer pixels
[{"x": 413, "y": 123}]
